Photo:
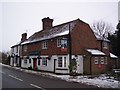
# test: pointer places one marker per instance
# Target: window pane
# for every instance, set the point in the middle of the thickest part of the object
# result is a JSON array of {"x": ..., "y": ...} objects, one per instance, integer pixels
[
  {"x": 105, "y": 45},
  {"x": 64, "y": 61},
  {"x": 102, "y": 60},
  {"x": 25, "y": 61},
  {"x": 96, "y": 60},
  {"x": 59, "y": 61},
  {"x": 38, "y": 62},
  {"x": 64, "y": 43},
  {"x": 44, "y": 61},
  {"x": 59, "y": 42},
  {"x": 44, "y": 45},
  {"x": 105, "y": 60}
]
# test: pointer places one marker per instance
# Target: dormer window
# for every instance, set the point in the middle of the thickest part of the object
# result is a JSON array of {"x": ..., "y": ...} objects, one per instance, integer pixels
[{"x": 105, "y": 45}]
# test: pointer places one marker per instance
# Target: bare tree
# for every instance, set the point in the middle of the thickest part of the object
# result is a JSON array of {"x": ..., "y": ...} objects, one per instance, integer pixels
[
  {"x": 102, "y": 28},
  {"x": 4, "y": 57}
]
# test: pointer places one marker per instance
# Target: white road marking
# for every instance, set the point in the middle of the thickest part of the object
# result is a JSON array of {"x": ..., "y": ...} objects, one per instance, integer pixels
[
  {"x": 15, "y": 78},
  {"x": 37, "y": 86},
  {"x": 2, "y": 72}
]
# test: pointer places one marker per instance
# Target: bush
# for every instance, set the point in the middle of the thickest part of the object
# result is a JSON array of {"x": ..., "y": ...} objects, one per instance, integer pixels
[{"x": 73, "y": 67}]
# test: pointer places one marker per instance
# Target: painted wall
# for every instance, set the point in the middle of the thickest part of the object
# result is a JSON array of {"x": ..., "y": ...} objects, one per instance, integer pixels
[
  {"x": 15, "y": 52},
  {"x": 50, "y": 64}
]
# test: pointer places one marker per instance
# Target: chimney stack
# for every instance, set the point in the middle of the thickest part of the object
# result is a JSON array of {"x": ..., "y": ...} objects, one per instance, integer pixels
[
  {"x": 24, "y": 37},
  {"x": 47, "y": 23}
]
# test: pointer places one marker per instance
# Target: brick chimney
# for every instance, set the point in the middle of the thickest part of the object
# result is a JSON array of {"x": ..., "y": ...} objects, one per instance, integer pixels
[
  {"x": 24, "y": 37},
  {"x": 47, "y": 23}
]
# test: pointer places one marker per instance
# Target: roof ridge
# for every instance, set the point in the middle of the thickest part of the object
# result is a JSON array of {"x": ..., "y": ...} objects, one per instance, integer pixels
[
  {"x": 53, "y": 27},
  {"x": 55, "y": 31}
]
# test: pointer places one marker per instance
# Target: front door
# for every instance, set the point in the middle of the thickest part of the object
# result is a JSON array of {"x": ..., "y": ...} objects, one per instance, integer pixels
[
  {"x": 34, "y": 63},
  {"x": 54, "y": 64}
]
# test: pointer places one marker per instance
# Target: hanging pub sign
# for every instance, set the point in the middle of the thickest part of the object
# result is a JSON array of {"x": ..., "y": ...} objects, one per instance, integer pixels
[{"x": 64, "y": 44}]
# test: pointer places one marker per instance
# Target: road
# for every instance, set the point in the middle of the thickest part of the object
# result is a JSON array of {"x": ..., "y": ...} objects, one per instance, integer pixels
[{"x": 12, "y": 78}]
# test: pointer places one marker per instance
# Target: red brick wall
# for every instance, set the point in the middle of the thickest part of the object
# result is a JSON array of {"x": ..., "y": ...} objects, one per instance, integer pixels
[
  {"x": 52, "y": 48},
  {"x": 82, "y": 38},
  {"x": 94, "y": 67}
]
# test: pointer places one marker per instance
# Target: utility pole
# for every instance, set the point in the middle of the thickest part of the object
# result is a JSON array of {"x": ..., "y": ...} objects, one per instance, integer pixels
[{"x": 70, "y": 48}]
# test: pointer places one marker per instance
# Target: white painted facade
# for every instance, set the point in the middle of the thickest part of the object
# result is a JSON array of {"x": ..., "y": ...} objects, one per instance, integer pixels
[
  {"x": 52, "y": 64},
  {"x": 15, "y": 54}
]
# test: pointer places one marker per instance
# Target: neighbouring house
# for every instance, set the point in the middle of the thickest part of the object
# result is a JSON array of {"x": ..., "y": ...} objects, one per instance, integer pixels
[
  {"x": 114, "y": 61},
  {"x": 15, "y": 59},
  {"x": 52, "y": 49},
  {"x": 15, "y": 56}
]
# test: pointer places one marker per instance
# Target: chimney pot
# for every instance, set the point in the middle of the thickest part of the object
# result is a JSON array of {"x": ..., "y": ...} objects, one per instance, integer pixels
[{"x": 24, "y": 37}]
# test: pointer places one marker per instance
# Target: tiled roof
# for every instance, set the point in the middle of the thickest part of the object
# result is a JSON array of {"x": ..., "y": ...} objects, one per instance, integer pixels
[
  {"x": 55, "y": 31},
  {"x": 18, "y": 43},
  {"x": 59, "y": 30}
]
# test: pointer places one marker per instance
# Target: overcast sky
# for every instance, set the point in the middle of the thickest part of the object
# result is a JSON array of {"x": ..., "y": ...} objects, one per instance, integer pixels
[{"x": 19, "y": 17}]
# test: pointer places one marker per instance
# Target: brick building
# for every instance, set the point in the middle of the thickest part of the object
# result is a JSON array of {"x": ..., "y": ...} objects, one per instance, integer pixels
[{"x": 52, "y": 48}]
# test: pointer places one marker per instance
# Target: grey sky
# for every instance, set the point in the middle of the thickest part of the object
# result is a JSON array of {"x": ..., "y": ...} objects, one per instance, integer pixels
[
  {"x": 20, "y": 17},
  {"x": 119, "y": 10}
]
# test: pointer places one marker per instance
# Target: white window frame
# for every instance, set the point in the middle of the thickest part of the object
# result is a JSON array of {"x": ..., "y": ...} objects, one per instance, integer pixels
[
  {"x": 44, "y": 61},
  {"x": 105, "y": 60},
  {"x": 60, "y": 62},
  {"x": 25, "y": 61},
  {"x": 105, "y": 45},
  {"x": 59, "y": 42},
  {"x": 63, "y": 61},
  {"x": 102, "y": 60},
  {"x": 96, "y": 60},
  {"x": 44, "y": 45}
]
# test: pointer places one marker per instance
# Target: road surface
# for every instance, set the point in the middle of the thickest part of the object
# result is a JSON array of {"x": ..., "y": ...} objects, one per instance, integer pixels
[{"x": 12, "y": 78}]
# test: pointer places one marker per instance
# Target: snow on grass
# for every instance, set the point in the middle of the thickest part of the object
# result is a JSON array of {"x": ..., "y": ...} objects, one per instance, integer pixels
[{"x": 101, "y": 81}]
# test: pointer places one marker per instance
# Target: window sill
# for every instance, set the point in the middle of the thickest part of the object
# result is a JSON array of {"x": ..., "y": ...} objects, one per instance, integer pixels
[
  {"x": 44, "y": 65},
  {"x": 61, "y": 68},
  {"x": 44, "y": 48}
]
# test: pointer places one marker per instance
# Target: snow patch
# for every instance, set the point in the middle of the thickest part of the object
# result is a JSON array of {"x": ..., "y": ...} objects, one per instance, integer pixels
[
  {"x": 113, "y": 56},
  {"x": 95, "y": 52}
]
